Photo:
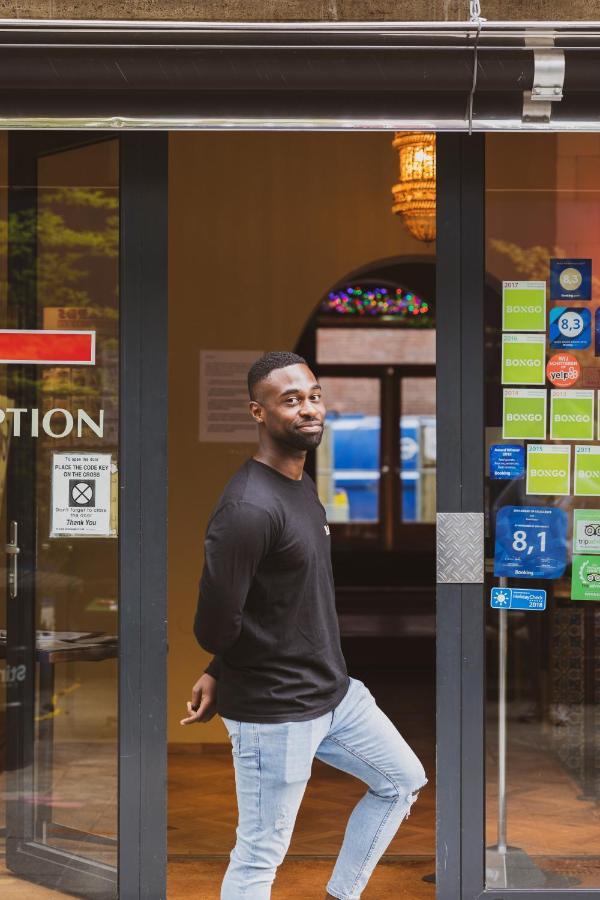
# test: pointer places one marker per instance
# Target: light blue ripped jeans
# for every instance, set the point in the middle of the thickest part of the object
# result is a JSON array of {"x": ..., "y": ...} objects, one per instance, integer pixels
[{"x": 272, "y": 766}]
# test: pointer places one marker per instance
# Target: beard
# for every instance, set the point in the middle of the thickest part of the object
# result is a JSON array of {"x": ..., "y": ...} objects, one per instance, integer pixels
[{"x": 300, "y": 440}]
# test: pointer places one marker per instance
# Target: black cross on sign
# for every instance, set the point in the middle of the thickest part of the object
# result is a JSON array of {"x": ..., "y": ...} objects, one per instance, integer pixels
[{"x": 82, "y": 492}]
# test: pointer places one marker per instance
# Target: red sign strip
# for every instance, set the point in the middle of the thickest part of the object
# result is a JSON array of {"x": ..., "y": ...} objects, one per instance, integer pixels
[{"x": 41, "y": 347}]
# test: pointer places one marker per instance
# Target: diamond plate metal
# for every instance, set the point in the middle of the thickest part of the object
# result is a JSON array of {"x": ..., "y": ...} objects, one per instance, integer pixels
[{"x": 460, "y": 558}]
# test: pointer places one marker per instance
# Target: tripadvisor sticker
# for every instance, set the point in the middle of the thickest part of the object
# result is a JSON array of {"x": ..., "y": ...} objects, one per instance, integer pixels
[
  {"x": 586, "y": 531},
  {"x": 563, "y": 370},
  {"x": 572, "y": 415},
  {"x": 523, "y": 306},
  {"x": 523, "y": 358},
  {"x": 585, "y": 578}
]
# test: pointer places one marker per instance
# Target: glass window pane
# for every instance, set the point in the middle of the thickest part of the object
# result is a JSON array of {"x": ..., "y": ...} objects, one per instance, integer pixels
[
  {"x": 58, "y": 484},
  {"x": 376, "y": 345},
  {"x": 348, "y": 457},
  {"x": 417, "y": 449},
  {"x": 542, "y": 509}
]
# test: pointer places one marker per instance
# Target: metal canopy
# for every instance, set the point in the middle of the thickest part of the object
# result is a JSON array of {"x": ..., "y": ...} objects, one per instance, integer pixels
[{"x": 187, "y": 75}]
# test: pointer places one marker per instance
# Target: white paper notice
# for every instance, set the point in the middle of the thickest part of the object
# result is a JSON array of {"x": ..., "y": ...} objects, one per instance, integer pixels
[
  {"x": 224, "y": 414},
  {"x": 81, "y": 494}
]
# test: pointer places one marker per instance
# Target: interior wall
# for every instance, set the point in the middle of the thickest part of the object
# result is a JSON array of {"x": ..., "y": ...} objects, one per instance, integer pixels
[{"x": 260, "y": 226}]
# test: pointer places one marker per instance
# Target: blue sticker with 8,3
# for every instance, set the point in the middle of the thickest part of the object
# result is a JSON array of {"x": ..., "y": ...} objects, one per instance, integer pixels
[
  {"x": 531, "y": 542},
  {"x": 570, "y": 328},
  {"x": 507, "y": 461},
  {"x": 570, "y": 279}
]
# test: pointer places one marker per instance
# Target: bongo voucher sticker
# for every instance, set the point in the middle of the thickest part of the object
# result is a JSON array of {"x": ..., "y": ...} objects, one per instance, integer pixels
[{"x": 563, "y": 370}]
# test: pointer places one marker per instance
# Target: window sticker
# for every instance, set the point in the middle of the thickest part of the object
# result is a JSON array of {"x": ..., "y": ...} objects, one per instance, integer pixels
[
  {"x": 587, "y": 471},
  {"x": 548, "y": 469},
  {"x": 81, "y": 495},
  {"x": 586, "y": 531},
  {"x": 571, "y": 279},
  {"x": 524, "y": 414},
  {"x": 507, "y": 462},
  {"x": 531, "y": 542},
  {"x": 563, "y": 370},
  {"x": 585, "y": 578},
  {"x": 572, "y": 415},
  {"x": 570, "y": 328},
  {"x": 524, "y": 306},
  {"x": 517, "y": 598},
  {"x": 523, "y": 358}
]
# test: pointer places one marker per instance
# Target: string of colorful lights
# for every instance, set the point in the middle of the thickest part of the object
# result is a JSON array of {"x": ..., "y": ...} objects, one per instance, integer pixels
[{"x": 378, "y": 301}]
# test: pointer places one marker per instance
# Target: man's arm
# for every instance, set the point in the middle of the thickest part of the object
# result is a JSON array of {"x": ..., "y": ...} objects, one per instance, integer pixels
[
  {"x": 237, "y": 539},
  {"x": 214, "y": 667}
]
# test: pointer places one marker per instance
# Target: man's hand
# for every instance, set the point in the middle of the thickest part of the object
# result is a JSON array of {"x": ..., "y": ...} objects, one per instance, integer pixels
[{"x": 203, "y": 705}]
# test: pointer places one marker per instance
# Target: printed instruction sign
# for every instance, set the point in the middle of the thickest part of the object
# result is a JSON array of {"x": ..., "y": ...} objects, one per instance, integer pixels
[
  {"x": 224, "y": 414},
  {"x": 517, "y": 598},
  {"x": 587, "y": 471},
  {"x": 570, "y": 328},
  {"x": 586, "y": 531},
  {"x": 524, "y": 414},
  {"x": 585, "y": 577},
  {"x": 507, "y": 461},
  {"x": 572, "y": 415},
  {"x": 548, "y": 469},
  {"x": 571, "y": 279},
  {"x": 523, "y": 358},
  {"x": 524, "y": 306},
  {"x": 81, "y": 495},
  {"x": 531, "y": 542}
]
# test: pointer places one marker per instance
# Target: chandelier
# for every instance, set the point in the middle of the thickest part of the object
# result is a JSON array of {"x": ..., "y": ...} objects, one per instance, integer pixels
[{"x": 414, "y": 195}]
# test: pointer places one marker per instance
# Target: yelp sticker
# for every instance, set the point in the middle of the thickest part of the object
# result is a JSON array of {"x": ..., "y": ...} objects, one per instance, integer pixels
[{"x": 563, "y": 370}]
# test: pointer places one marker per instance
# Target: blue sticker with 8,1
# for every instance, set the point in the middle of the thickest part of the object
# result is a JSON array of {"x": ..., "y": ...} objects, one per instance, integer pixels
[
  {"x": 570, "y": 328},
  {"x": 531, "y": 542},
  {"x": 570, "y": 279}
]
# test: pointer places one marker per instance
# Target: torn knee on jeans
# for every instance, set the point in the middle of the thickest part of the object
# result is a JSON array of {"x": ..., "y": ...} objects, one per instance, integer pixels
[
  {"x": 282, "y": 822},
  {"x": 412, "y": 797}
]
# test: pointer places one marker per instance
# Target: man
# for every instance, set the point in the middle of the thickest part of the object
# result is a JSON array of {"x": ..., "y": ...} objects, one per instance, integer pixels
[{"x": 279, "y": 680}]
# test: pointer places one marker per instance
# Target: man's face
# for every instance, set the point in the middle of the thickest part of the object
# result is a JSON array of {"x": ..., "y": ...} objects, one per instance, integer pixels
[{"x": 289, "y": 405}]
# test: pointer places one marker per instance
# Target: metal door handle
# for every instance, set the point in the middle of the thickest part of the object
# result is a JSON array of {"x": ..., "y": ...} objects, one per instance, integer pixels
[{"x": 13, "y": 550}]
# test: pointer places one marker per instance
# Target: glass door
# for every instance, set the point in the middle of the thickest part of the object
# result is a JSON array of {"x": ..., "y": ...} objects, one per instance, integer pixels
[
  {"x": 59, "y": 426},
  {"x": 542, "y": 697}
]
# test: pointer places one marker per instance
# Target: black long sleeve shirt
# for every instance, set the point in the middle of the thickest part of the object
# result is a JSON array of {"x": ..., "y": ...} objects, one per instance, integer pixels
[{"x": 267, "y": 601}]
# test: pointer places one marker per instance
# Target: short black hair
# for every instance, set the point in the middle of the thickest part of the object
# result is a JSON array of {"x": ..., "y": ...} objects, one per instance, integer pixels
[{"x": 262, "y": 368}]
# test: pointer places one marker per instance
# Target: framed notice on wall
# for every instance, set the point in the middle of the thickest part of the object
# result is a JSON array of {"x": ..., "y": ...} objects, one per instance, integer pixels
[{"x": 224, "y": 414}]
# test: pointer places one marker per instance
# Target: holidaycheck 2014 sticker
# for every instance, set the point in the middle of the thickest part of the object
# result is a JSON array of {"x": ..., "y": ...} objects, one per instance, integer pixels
[
  {"x": 572, "y": 415},
  {"x": 548, "y": 469},
  {"x": 523, "y": 305},
  {"x": 523, "y": 358},
  {"x": 587, "y": 471},
  {"x": 524, "y": 414}
]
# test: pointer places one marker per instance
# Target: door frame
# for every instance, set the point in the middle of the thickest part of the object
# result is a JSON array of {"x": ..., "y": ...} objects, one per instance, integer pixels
[
  {"x": 460, "y": 465},
  {"x": 143, "y": 307}
]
